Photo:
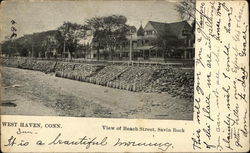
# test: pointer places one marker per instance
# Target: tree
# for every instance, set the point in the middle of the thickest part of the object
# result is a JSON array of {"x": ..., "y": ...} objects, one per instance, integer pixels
[
  {"x": 7, "y": 47},
  {"x": 71, "y": 33},
  {"x": 23, "y": 46},
  {"x": 44, "y": 42},
  {"x": 108, "y": 31},
  {"x": 116, "y": 30},
  {"x": 50, "y": 44},
  {"x": 95, "y": 24},
  {"x": 186, "y": 10}
]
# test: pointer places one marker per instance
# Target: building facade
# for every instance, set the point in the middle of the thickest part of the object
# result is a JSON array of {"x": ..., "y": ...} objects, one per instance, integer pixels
[
  {"x": 157, "y": 41},
  {"x": 160, "y": 41}
]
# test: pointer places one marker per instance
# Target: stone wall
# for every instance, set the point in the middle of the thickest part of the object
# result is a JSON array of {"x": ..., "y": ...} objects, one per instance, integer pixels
[{"x": 176, "y": 81}]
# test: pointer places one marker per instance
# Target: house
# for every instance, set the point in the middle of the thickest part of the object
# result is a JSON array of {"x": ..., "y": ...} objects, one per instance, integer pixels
[
  {"x": 158, "y": 41},
  {"x": 122, "y": 49},
  {"x": 86, "y": 45}
]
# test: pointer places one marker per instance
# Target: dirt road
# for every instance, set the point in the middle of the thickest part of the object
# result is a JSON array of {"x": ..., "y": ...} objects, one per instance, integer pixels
[{"x": 27, "y": 92}]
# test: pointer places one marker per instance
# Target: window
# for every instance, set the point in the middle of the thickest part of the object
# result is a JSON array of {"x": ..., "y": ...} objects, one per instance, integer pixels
[
  {"x": 185, "y": 31},
  {"x": 153, "y": 53},
  {"x": 149, "y": 32},
  {"x": 141, "y": 53},
  {"x": 134, "y": 44}
]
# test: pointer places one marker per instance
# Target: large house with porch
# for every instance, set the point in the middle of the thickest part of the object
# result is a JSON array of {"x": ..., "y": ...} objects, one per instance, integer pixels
[
  {"x": 161, "y": 41},
  {"x": 157, "y": 41}
]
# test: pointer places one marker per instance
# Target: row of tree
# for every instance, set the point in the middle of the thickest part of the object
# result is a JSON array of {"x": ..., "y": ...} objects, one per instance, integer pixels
[
  {"x": 107, "y": 31},
  {"x": 37, "y": 44}
]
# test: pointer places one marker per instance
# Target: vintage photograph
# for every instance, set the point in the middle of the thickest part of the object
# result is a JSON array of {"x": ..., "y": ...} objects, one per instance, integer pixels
[{"x": 101, "y": 59}]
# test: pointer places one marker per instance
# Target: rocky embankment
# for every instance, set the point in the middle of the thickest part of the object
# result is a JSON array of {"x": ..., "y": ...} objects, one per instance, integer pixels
[{"x": 176, "y": 81}]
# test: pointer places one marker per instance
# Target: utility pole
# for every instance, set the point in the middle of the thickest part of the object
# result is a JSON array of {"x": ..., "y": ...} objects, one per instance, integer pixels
[
  {"x": 32, "y": 49},
  {"x": 64, "y": 46},
  {"x": 130, "y": 48}
]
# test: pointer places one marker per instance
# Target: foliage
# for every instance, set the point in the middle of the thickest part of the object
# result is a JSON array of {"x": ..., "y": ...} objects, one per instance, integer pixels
[
  {"x": 24, "y": 46},
  {"x": 108, "y": 31},
  {"x": 7, "y": 48},
  {"x": 71, "y": 34},
  {"x": 49, "y": 44},
  {"x": 35, "y": 45}
]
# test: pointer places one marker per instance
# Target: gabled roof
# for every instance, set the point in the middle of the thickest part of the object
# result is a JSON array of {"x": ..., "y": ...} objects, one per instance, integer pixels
[
  {"x": 158, "y": 26},
  {"x": 173, "y": 29},
  {"x": 176, "y": 27}
]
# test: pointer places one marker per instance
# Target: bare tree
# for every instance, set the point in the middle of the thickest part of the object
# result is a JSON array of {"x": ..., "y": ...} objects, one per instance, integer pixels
[{"x": 186, "y": 9}]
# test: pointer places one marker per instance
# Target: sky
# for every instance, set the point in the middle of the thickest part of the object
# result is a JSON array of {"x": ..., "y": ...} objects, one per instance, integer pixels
[{"x": 42, "y": 15}]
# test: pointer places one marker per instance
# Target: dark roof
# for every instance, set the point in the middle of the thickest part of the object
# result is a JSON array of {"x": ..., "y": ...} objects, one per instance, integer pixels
[
  {"x": 173, "y": 29},
  {"x": 140, "y": 31},
  {"x": 176, "y": 27},
  {"x": 159, "y": 26}
]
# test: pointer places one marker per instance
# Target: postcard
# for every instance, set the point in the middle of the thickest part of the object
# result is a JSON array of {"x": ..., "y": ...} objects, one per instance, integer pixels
[{"x": 124, "y": 76}]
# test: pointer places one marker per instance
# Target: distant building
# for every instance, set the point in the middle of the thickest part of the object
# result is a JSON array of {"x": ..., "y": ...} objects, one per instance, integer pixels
[
  {"x": 85, "y": 45},
  {"x": 42, "y": 44},
  {"x": 121, "y": 50}
]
